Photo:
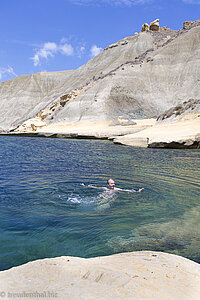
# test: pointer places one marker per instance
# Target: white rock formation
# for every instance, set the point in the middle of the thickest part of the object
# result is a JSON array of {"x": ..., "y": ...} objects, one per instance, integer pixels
[
  {"x": 184, "y": 133},
  {"x": 143, "y": 275}
]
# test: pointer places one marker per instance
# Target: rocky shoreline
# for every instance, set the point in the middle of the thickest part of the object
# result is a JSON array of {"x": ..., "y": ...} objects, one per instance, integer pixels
[{"x": 183, "y": 133}]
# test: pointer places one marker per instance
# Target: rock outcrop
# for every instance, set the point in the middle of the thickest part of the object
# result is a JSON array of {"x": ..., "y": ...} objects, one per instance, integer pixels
[
  {"x": 190, "y": 106},
  {"x": 145, "y": 27},
  {"x": 138, "y": 77},
  {"x": 181, "y": 133},
  {"x": 127, "y": 276},
  {"x": 187, "y": 24},
  {"x": 154, "y": 25}
]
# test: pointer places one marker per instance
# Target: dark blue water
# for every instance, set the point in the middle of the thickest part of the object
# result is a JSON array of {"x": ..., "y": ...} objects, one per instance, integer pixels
[{"x": 45, "y": 212}]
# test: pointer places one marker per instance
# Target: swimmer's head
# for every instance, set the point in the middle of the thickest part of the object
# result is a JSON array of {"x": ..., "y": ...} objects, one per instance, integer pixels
[{"x": 111, "y": 183}]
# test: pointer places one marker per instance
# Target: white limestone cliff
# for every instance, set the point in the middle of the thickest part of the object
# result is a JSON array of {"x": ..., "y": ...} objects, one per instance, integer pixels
[{"x": 139, "y": 77}]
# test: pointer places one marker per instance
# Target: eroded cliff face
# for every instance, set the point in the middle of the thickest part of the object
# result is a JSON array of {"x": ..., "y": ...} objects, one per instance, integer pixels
[{"x": 138, "y": 77}]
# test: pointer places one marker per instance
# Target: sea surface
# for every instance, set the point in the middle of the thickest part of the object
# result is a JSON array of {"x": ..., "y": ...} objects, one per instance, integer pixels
[{"x": 46, "y": 212}]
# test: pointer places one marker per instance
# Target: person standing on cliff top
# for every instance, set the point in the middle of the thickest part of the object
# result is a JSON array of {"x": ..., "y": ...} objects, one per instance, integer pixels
[{"x": 111, "y": 186}]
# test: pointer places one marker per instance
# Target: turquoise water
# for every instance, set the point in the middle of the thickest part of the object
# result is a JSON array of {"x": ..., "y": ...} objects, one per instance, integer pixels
[{"x": 45, "y": 212}]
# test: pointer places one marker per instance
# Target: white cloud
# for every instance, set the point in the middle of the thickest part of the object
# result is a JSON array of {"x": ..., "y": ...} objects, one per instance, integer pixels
[
  {"x": 63, "y": 40},
  {"x": 80, "y": 51},
  {"x": 66, "y": 49},
  {"x": 111, "y": 2},
  {"x": 191, "y": 1},
  {"x": 7, "y": 71},
  {"x": 94, "y": 51},
  {"x": 49, "y": 49}
]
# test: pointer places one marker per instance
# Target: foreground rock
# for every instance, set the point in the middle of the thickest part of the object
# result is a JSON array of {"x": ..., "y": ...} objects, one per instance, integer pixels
[{"x": 143, "y": 275}]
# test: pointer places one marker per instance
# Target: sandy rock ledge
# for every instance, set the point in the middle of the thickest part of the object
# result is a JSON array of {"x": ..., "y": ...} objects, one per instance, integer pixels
[{"x": 138, "y": 275}]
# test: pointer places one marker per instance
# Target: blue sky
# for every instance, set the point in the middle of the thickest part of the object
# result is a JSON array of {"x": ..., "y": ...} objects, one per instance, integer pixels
[{"x": 55, "y": 35}]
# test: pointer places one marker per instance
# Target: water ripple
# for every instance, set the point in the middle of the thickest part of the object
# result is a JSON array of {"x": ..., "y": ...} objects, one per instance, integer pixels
[{"x": 45, "y": 212}]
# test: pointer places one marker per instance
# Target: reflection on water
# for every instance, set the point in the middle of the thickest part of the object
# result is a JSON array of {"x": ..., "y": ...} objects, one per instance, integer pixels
[{"x": 45, "y": 212}]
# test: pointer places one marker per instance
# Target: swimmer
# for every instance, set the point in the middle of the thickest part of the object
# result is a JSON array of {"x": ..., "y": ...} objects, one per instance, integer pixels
[{"x": 111, "y": 186}]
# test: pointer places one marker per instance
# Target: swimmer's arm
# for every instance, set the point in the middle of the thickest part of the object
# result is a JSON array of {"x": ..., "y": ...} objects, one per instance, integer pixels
[
  {"x": 130, "y": 191},
  {"x": 96, "y": 187},
  {"x": 123, "y": 190},
  {"x": 93, "y": 187}
]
